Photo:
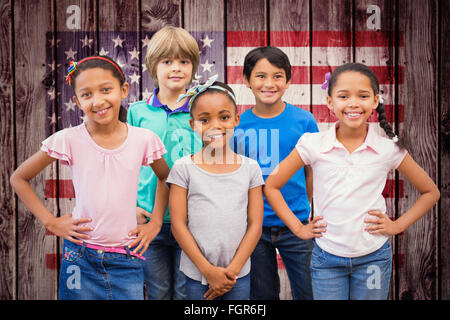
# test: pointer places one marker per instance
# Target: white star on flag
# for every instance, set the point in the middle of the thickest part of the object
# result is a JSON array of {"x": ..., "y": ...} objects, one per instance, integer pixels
[
  {"x": 135, "y": 78},
  {"x": 145, "y": 41},
  {"x": 86, "y": 41},
  {"x": 70, "y": 105},
  {"x": 52, "y": 42},
  {"x": 144, "y": 67},
  {"x": 146, "y": 94},
  {"x": 134, "y": 54},
  {"x": 103, "y": 52},
  {"x": 118, "y": 42},
  {"x": 206, "y": 66},
  {"x": 206, "y": 41},
  {"x": 196, "y": 79},
  {"x": 70, "y": 54}
]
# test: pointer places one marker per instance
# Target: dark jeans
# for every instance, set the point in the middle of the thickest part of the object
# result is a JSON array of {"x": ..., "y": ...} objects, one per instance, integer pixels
[{"x": 296, "y": 256}]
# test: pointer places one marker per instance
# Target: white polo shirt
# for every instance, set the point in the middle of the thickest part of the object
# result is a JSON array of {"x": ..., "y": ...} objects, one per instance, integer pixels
[{"x": 347, "y": 186}]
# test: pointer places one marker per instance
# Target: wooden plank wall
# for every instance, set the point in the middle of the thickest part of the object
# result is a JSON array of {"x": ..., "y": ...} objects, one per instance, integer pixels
[{"x": 403, "y": 40}]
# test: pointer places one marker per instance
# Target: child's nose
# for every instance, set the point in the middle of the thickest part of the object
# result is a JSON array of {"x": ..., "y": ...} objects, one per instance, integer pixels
[
  {"x": 175, "y": 65},
  {"x": 97, "y": 100}
]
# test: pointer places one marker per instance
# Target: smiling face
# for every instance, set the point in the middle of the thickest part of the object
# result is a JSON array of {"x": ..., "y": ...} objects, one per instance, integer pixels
[
  {"x": 352, "y": 99},
  {"x": 98, "y": 93},
  {"x": 267, "y": 82},
  {"x": 214, "y": 119},
  {"x": 174, "y": 74}
]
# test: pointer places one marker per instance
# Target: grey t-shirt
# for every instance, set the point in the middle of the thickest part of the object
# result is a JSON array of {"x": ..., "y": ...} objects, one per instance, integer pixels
[{"x": 216, "y": 210}]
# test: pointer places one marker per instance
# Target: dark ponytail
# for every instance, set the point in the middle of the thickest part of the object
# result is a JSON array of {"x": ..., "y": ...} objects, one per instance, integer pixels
[{"x": 368, "y": 72}]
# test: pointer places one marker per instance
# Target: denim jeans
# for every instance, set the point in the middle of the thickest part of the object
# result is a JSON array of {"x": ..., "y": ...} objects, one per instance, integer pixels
[
  {"x": 296, "y": 256},
  {"x": 241, "y": 290},
  {"x": 162, "y": 275},
  {"x": 339, "y": 278},
  {"x": 88, "y": 274}
]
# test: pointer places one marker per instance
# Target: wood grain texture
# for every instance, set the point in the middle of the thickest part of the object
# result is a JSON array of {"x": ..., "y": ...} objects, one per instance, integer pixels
[
  {"x": 155, "y": 15},
  {"x": 417, "y": 278},
  {"x": 119, "y": 19},
  {"x": 205, "y": 20},
  {"x": 335, "y": 49},
  {"x": 384, "y": 57},
  {"x": 35, "y": 281},
  {"x": 7, "y": 200},
  {"x": 288, "y": 19},
  {"x": 444, "y": 161}
]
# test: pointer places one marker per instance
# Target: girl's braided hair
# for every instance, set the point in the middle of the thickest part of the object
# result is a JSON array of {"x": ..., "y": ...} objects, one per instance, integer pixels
[{"x": 368, "y": 72}]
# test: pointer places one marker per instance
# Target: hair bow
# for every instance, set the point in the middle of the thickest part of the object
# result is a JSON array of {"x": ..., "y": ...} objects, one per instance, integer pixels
[
  {"x": 327, "y": 79},
  {"x": 193, "y": 92},
  {"x": 380, "y": 99},
  {"x": 70, "y": 70}
]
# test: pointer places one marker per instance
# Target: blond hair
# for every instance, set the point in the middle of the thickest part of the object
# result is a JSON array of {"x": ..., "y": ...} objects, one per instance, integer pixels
[{"x": 171, "y": 42}]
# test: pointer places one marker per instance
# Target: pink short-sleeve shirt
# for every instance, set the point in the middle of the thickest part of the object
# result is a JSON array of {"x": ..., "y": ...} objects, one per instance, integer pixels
[
  {"x": 347, "y": 186},
  {"x": 105, "y": 181}
]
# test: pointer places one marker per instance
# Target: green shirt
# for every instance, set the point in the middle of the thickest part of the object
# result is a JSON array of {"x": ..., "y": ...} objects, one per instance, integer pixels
[{"x": 174, "y": 130}]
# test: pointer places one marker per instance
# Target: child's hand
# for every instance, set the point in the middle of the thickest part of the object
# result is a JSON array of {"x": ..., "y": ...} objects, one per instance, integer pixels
[
  {"x": 66, "y": 227},
  {"x": 313, "y": 229},
  {"x": 141, "y": 215},
  {"x": 380, "y": 223},
  {"x": 145, "y": 233},
  {"x": 221, "y": 280}
]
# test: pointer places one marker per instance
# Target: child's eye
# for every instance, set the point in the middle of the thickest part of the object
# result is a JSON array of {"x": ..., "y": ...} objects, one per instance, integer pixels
[
  {"x": 106, "y": 90},
  {"x": 224, "y": 118},
  {"x": 185, "y": 61},
  {"x": 203, "y": 120},
  {"x": 342, "y": 96},
  {"x": 260, "y": 76},
  {"x": 165, "y": 61},
  {"x": 85, "y": 94}
]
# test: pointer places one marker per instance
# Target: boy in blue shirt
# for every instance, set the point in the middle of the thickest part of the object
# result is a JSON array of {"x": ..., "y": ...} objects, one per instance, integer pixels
[
  {"x": 267, "y": 133},
  {"x": 172, "y": 59}
]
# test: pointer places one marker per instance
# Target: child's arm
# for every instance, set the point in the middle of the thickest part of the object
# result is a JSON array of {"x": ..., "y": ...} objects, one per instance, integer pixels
[
  {"x": 219, "y": 279},
  {"x": 147, "y": 232},
  {"x": 429, "y": 195},
  {"x": 279, "y": 177},
  {"x": 255, "y": 215},
  {"x": 64, "y": 226}
]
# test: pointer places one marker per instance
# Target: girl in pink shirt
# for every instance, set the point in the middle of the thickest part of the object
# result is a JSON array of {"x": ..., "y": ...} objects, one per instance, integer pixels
[
  {"x": 103, "y": 244},
  {"x": 352, "y": 257}
]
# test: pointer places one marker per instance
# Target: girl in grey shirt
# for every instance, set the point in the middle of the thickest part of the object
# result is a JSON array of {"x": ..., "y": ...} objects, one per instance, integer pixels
[{"x": 216, "y": 203}]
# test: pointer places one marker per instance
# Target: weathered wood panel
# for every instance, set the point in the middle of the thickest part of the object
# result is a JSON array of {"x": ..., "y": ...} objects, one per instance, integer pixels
[
  {"x": 444, "y": 161},
  {"x": 417, "y": 278},
  {"x": 7, "y": 148},
  {"x": 246, "y": 23},
  {"x": 155, "y": 15},
  {"x": 375, "y": 46},
  {"x": 36, "y": 101},
  {"x": 33, "y": 123},
  {"x": 289, "y": 30},
  {"x": 205, "y": 20},
  {"x": 332, "y": 43},
  {"x": 118, "y": 37}
]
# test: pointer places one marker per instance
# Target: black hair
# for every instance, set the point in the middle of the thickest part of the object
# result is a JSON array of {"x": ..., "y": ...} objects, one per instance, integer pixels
[
  {"x": 275, "y": 56},
  {"x": 98, "y": 63},
  {"x": 213, "y": 90},
  {"x": 368, "y": 72}
]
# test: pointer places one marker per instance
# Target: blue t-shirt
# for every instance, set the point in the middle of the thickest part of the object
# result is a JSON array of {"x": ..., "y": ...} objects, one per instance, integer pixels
[{"x": 270, "y": 141}]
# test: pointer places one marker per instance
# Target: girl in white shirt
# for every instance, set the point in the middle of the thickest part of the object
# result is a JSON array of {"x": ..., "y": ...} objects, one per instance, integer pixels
[{"x": 352, "y": 258}]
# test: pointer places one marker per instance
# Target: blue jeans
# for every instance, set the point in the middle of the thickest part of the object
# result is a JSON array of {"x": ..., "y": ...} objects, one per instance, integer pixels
[
  {"x": 88, "y": 274},
  {"x": 241, "y": 290},
  {"x": 162, "y": 275},
  {"x": 296, "y": 256},
  {"x": 339, "y": 278}
]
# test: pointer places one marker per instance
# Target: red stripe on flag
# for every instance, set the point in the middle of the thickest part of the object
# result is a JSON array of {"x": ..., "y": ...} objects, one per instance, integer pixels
[
  {"x": 51, "y": 260},
  {"x": 246, "y": 38},
  {"x": 280, "y": 263},
  {"x": 66, "y": 189},
  {"x": 300, "y": 74},
  {"x": 289, "y": 38}
]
